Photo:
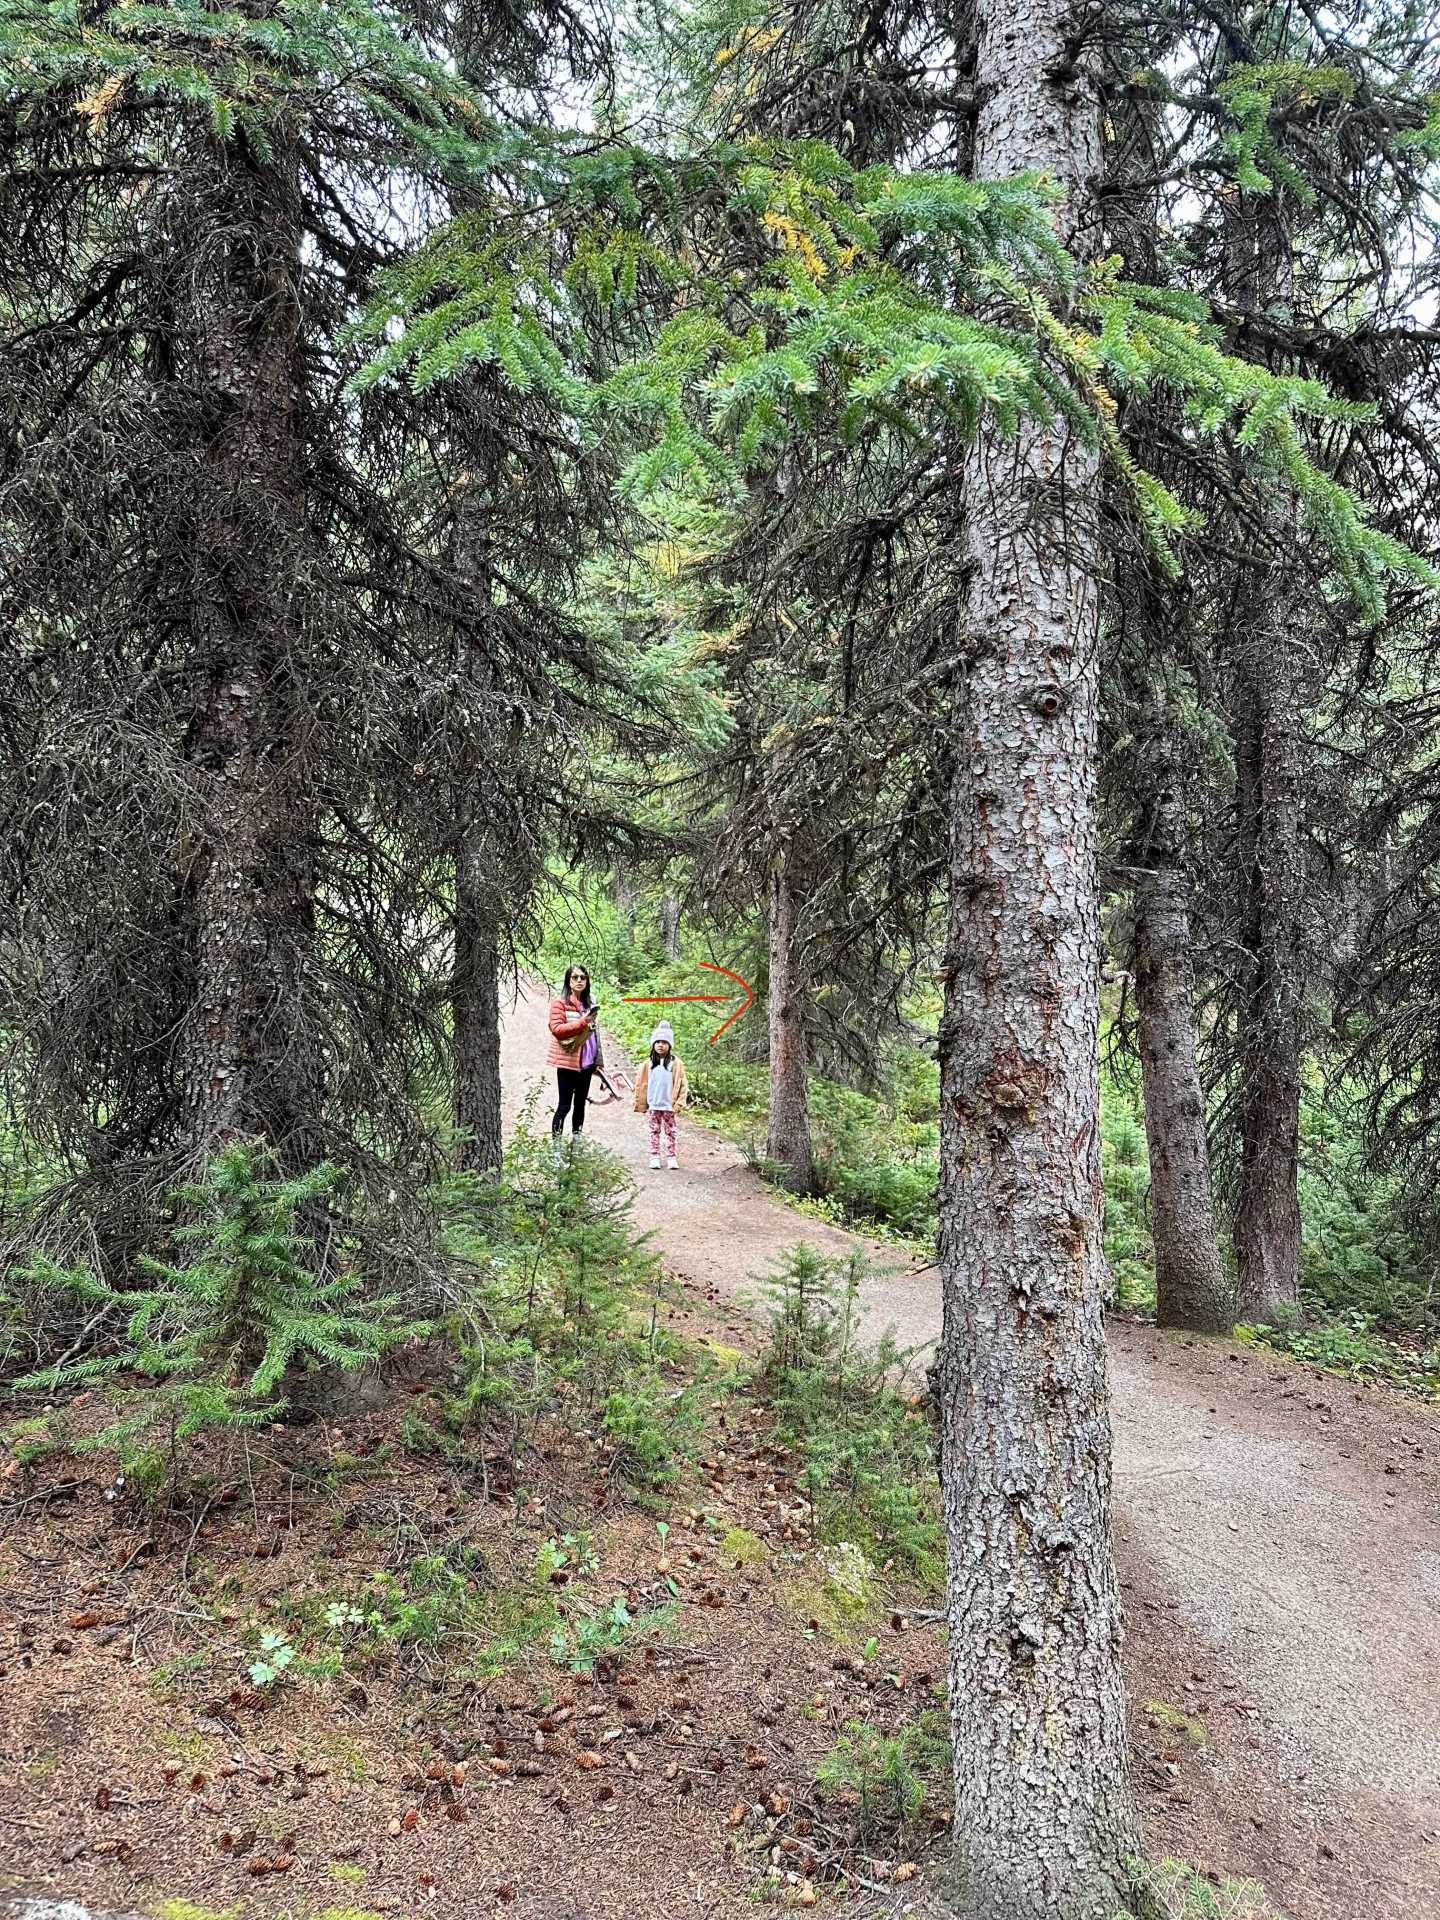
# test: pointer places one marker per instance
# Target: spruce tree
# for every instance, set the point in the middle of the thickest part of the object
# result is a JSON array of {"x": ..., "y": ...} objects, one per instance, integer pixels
[
  {"x": 223, "y": 1339},
  {"x": 238, "y": 623},
  {"x": 1045, "y": 1816},
  {"x": 1282, "y": 139}
]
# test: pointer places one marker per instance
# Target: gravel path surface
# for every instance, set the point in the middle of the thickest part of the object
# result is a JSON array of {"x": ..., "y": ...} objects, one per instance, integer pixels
[{"x": 1286, "y": 1527}]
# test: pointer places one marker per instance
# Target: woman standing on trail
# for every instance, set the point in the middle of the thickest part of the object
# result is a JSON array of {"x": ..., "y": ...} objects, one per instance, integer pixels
[{"x": 574, "y": 1048}]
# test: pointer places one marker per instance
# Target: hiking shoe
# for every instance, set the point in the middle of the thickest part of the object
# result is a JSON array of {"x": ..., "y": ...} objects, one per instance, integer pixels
[{"x": 654, "y": 1159}]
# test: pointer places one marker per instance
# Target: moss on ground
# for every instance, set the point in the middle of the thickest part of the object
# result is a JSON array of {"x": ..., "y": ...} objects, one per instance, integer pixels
[
  {"x": 741, "y": 1545},
  {"x": 734, "y": 1358},
  {"x": 840, "y": 1595},
  {"x": 1178, "y": 1721}
]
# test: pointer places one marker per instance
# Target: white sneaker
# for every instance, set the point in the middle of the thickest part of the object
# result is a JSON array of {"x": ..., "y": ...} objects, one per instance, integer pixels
[
  {"x": 673, "y": 1163},
  {"x": 655, "y": 1160}
]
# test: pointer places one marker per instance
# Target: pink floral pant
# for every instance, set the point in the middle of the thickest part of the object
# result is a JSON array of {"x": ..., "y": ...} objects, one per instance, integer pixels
[{"x": 662, "y": 1123}]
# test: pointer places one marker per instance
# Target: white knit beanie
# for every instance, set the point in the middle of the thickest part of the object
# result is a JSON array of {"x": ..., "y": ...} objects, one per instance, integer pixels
[{"x": 663, "y": 1031}]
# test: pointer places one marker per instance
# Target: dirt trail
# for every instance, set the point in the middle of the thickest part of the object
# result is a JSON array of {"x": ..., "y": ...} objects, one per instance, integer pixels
[{"x": 1279, "y": 1542}]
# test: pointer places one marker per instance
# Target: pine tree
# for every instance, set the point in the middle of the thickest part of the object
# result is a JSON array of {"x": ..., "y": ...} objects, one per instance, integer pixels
[
  {"x": 224, "y": 1337},
  {"x": 1045, "y": 1817},
  {"x": 1191, "y": 1287},
  {"x": 1288, "y": 130},
  {"x": 239, "y": 717}
]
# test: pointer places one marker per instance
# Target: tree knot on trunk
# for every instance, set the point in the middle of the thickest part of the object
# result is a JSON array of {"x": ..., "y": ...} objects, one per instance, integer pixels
[
  {"x": 1012, "y": 1088},
  {"x": 969, "y": 884},
  {"x": 1047, "y": 697},
  {"x": 1027, "y": 1636},
  {"x": 1074, "y": 1235}
]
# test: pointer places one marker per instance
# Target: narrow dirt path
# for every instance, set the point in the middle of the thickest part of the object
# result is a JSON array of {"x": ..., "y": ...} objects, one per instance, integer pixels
[{"x": 1279, "y": 1544}]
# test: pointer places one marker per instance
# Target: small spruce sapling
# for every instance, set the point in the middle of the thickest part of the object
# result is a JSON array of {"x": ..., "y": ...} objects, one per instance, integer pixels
[
  {"x": 867, "y": 1467},
  {"x": 219, "y": 1339}
]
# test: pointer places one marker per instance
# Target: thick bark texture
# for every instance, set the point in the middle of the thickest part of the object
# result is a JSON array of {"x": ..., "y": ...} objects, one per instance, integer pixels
[
  {"x": 252, "y": 882},
  {"x": 788, "y": 1138},
  {"x": 1045, "y": 1814},
  {"x": 1267, "y": 1211},
  {"x": 670, "y": 926},
  {"x": 475, "y": 1006},
  {"x": 1190, "y": 1283}
]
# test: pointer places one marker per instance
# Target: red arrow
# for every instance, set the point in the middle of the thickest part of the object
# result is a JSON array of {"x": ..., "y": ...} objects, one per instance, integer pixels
[
  {"x": 656, "y": 999},
  {"x": 749, "y": 997}
]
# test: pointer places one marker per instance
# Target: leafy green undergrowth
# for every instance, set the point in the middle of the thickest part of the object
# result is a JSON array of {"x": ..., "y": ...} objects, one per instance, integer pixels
[
  {"x": 551, "y": 1300},
  {"x": 866, "y": 1450},
  {"x": 1354, "y": 1347},
  {"x": 212, "y": 1347},
  {"x": 549, "y": 1340},
  {"x": 451, "y": 1603},
  {"x": 607, "y": 1632},
  {"x": 1370, "y": 1300}
]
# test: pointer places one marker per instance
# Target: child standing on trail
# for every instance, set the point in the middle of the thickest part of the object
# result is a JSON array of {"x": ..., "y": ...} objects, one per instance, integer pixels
[{"x": 661, "y": 1092}]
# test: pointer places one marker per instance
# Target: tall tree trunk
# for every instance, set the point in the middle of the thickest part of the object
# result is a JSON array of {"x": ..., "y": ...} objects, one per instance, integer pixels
[
  {"x": 1260, "y": 273},
  {"x": 670, "y": 926},
  {"x": 1267, "y": 1212},
  {"x": 248, "y": 1067},
  {"x": 475, "y": 1008},
  {"x": 788, "y": 1136},
  {"x": 625, "y": 900},
  {"x": 1191, "y": 1288},
  {"x": 480, "y": 819},
  {"x": 1045, "y": 1816}
]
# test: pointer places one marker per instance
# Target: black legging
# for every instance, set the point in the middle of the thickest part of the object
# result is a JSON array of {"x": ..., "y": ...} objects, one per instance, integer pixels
[{"x": 574, "y": 1088}]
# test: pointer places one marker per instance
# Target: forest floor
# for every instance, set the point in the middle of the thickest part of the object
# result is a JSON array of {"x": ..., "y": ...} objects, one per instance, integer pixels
[
  {"x": 1279, "y": 1541},
  {"x": 1277, "y": 1533}
]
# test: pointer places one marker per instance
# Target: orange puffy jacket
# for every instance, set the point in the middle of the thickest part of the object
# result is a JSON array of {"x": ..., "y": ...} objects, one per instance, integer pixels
[{"x": 567, "y": 1033}]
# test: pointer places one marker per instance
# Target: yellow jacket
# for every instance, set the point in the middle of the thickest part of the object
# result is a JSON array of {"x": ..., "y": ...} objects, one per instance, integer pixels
[{"x": 679, "y": 1090}]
